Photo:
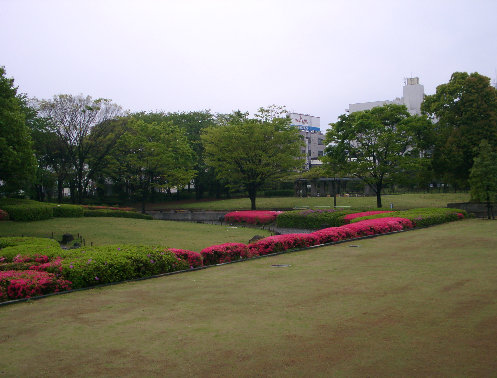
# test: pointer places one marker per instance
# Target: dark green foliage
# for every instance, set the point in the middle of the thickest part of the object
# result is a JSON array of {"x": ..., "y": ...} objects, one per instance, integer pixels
[
  {"x": 67, "y": 211},
  {"x": 483, "y": 176},
  {"x": 98, "y": 265},
  {"x": 465, "y": 112},
  {"x": 29, "y": 212},
  {"x": 17, "y": 161},
  {"x": 312, "y": 219},
  {"x": 422, "y": 217},
  {"x": 115, "y": 213}
]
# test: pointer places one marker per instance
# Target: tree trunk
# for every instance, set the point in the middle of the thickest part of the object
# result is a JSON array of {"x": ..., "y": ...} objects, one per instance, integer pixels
[
  {"x": 252, "y": 192},
  {"x": 378, "y": 195}
]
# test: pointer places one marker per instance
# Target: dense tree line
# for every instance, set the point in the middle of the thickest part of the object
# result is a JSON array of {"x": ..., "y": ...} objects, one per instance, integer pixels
[{"x": 89, "y": 145}]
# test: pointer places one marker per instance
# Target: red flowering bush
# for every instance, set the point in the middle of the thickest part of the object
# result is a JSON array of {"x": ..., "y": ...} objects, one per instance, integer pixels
[
  {"x": 251, "y": 217},
  {"x": 218, "y": 254},
  {"x": 378, "y": 226},
  {"x": 15, "y": 284},
  {"x": 333, "y": 234},
  {"x": 3, "y": 215},
  {"x": 347, "y": 218},
  {"x": 193, "y": 258},
  {"x": 279, "y": 243}
]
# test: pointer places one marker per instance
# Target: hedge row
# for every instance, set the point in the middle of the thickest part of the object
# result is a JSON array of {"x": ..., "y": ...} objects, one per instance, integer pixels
[
  {"x": 423, "y": 217},
  {"x": 252, "y": 216},
  {"x": 28, "y": 210},
  {"x": 312, "y": 219}
]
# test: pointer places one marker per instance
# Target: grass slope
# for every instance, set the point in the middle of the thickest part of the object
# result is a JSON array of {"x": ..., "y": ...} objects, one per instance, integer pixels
[
  {"x": 418, "y": 303},
  {"x": 400, "y": 201},
  {"x": 104, "y": 231}
]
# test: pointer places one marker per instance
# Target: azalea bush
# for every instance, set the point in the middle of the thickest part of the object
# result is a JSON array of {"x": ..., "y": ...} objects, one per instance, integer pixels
[
  {"x": 312, "y": 219},
  {"x": 115, "y": 213},
  {"x": 193, "y": 258},
  {"x": 347, "y": 218},
  {"x": 29, "y": 212},
  {"x": 16, "y": 284},
  {"x": 222, "y": 253},
  {"x": 378, "y": 226},
  {"x": 423, "y": 217},
  {"x": 278, "y": 243},
  {"x": 4, "y": 215},
  {"x": 67, "y": 211},
  {"x": 251, "y": 217},
  {"x": 114, "y": 263}
]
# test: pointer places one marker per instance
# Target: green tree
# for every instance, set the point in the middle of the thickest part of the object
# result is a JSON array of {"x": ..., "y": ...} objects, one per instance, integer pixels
[
  {"x": 377, "y": 145},
  {"x": 248, "y": 152},
  {"x": 72, "y": 119},
  {"x": 17, "y": 161},
  {"x": 464, "y": 112},
  {"x": 483, "y": 176},
  {"x": 151, "y": 155}
]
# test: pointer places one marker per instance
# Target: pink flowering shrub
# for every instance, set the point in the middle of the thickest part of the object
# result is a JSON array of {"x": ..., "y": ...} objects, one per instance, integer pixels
[
  {"x": 347, "y": 218},
  {"x": 15, "y": 284},
  {"x": 218, "y": 254},
  {"x": 3, "y": 215},
  {"x": 193, "y": 258},
  {"x": 279, "y": 243},
  {"x": 334, "y": 234},
  {"x": 378, "y": 226},
  {"x": 251, "y": 217}
]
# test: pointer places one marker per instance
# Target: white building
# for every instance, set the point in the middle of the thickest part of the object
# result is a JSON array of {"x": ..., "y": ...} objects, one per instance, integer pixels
[
  {"x": 310, "y": 129},
  {"x": 413, "y": 95}
]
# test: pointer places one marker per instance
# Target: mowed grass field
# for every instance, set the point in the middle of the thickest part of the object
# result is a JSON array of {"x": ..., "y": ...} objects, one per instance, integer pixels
[
  {"x": 105, "y": 231},
  {"x": 399, "y": 201},
  {"x": 420, "y": 303}
]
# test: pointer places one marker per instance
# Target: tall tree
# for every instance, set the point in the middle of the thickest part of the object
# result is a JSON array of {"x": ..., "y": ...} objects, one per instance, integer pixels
[
  {"x": 376, "y": 145},
  {"x": 483, "y": 176},
  {"x": 17, "y": 161},
  {"x": 464, "y": 111},
  {"x": 151, "y": 155},
  {"x": 249, "y": 152},
  {"x": 72, "y": 119}
]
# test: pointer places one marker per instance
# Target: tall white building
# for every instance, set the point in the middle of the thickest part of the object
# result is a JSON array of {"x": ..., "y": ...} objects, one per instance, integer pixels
[
  {"x": 413, "y": 95},
  {"x": 310, "y": 129}
]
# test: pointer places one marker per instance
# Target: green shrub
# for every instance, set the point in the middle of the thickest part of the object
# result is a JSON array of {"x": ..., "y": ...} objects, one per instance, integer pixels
[
  {"x": 29, "y": 212},
  {"x": 97, "y": 265},
  {"x": 422, "y": 217},
  {"x": 67, "y": 211},
  {"x": 312, "y": 219},
  {"x": 115, "y": 213},
  {"x": 10, "y": 247}
]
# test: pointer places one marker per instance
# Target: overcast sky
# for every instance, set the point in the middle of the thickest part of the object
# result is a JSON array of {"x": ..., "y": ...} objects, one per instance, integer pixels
[{"x": 313, "y": 56}]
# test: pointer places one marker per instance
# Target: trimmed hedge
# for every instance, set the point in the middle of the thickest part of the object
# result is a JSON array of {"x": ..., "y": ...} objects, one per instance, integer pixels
[
  {"x": 10, "y": 247},
  {"x": 114, "y": 263},
  {"x": 29, "y": 212},
  {"x": 312, "y": 219},
  {"x": 67, "y": 211},
  {"x": 116, "y": 213},
  {"x": 4, "y": 215},
  {"x": 423, "y": 217}
]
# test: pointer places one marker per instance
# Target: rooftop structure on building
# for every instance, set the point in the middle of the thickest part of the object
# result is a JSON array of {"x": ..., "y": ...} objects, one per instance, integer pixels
[
  {"x": 413, "y": 95},
  {"x": 310, "y": 129}
]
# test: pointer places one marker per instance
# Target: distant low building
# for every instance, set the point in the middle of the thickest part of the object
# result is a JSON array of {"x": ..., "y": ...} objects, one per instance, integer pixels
[
  {"x": 310, "y": 129},
  {"x": 413, "y": 95}
]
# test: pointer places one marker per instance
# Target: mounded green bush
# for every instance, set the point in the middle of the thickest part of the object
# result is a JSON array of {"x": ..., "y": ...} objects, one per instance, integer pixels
[
  {"x": 422, "y": 217},
  {"x": 29, "y": 212},
  {"x": 10, "y": 247},
  {"x": 312, "y": 219},
  {"x": 97, "y": 265},
  {"x": 115, "y": 213},
  {"x": 67, "y": 211}
]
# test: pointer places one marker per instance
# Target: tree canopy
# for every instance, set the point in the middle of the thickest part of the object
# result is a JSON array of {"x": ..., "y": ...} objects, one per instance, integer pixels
[
  {"x": 248, "y": 152},
  {"x": 376, "y": 145},
  {"x": 464, "y": 111},
  {"x": 483, "y": 174},
  {"x": 17, "y": 161}
]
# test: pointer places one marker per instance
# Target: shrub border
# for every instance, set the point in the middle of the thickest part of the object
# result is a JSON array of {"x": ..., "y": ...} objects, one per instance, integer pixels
[{"x": 206, "y": 266}]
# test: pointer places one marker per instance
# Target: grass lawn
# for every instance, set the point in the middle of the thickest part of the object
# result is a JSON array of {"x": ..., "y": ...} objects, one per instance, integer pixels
[
  {"x": 102, "y": 231},
  {"x": 420, "y": 303},
  {"x": 399, "y": 201}
]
